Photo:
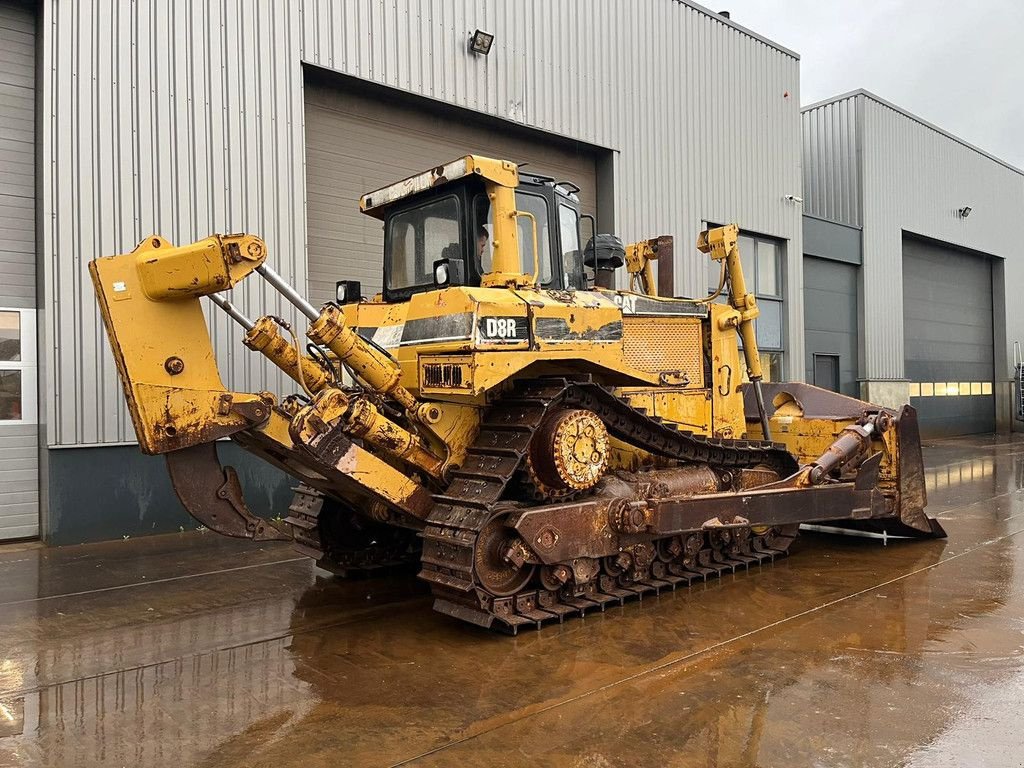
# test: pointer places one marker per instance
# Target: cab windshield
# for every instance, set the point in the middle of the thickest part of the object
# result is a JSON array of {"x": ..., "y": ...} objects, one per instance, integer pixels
[{"x": 417, "y": 238}]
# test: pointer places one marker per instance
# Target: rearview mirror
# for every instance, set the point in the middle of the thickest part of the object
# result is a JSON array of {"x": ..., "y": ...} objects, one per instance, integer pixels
[{"x": 348, "y": 291}]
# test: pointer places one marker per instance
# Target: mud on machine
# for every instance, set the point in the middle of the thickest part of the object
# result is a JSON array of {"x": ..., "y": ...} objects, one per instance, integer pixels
[{"x": 541, "y": 445}]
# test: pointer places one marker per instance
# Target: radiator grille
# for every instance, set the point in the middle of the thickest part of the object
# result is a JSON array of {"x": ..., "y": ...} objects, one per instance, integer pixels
[
  {"x": 664, "y": 344},
  {"x": 444, "y": 375}
]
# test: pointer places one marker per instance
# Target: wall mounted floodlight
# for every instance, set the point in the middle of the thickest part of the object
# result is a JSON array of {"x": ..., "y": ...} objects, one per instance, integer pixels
[
  {"x": 480, "y": 42},
  {"x": 965, "y": 211}
]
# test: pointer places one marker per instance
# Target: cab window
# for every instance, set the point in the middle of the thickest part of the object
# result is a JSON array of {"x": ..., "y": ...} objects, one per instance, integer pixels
[
  {"x": 572, "y": 261},
  {"x": 417, "y": 238}
]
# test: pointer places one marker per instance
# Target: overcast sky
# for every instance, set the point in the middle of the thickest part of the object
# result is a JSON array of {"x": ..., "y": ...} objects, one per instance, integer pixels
[{"x": 959, "y": 65}]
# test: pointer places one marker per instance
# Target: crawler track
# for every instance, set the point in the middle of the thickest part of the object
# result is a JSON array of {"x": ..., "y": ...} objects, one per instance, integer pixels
[{"x": 475, "y": 498}]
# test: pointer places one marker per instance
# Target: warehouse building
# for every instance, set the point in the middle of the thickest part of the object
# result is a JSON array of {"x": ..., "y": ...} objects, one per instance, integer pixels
[
  {"x": 123, "y": 119},
  {"x": 912, "y": 262}
]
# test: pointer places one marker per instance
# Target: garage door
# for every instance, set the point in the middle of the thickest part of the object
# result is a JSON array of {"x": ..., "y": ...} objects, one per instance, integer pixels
[
  {"x": 19, "y": 451},
  {"x": 947, "y": 326},
  {"x": 830, "y": 322},
  {"x": 356, "y": 143}
]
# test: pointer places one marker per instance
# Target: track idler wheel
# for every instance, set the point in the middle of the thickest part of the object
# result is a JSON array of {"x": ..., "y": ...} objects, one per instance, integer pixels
[
  {"x": 499, "y": 559},
  {"x": 569, "y": 452}
]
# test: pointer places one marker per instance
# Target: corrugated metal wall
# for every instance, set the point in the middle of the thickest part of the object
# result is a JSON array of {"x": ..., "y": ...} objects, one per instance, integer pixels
[
  {"x": 831, "y": 164},
  {"x": 17, "y": 155},
  {"x": 19, "y": 441},
  {"x": 185, "y": 118},
  {"x": 355, "y": 143},
  {"x": 914, "y": 178}
]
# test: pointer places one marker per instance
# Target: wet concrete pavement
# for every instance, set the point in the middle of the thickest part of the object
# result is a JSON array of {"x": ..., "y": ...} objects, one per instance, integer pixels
[{"x": 194, "y": 650}]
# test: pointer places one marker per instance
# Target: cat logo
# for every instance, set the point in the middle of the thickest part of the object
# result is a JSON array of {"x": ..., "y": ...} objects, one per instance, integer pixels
[{"x": 626, "y": 303}]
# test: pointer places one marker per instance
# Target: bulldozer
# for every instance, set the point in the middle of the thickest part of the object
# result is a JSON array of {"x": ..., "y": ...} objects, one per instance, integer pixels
[{"x": 542, "y": 443}]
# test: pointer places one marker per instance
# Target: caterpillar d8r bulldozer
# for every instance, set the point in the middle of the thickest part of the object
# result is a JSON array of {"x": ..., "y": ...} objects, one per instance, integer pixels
[{"x": 542, "y": 446}]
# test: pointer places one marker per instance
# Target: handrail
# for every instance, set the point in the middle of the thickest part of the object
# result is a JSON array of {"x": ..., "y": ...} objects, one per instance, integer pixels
[{"x": 536, "y": 253}]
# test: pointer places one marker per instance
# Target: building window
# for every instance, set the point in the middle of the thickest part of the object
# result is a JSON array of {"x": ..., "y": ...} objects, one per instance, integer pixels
[
  {"x": 17, "y": 366},
  {"x": 761, "y": 258}
]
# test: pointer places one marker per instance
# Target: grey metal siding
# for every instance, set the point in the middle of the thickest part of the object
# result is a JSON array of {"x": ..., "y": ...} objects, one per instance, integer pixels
[
  {"x": 17, "y": 155},
  {"x": 830, "y": 317},
  {"x": 356, "y": 143},
  {"x": 19, "y": 460},
  {"x": 913, "y": 178},
  {"x": 831, "y": 167},
  {"x": 947, "y": 323},
  {"x": 185, "y": 118},
  {"x": 116, "y": 491},
  {"x": 19, "y": 481},
  {"x": 829, "y": 240}
]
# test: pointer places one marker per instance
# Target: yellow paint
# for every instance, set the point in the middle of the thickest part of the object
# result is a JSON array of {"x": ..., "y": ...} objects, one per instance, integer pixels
[
  {"x": 436, "y": 362},
  {"x": 144, "y": 296},
  {"x": 721, "y": 244},
  {"x": 639, "y": 259}
]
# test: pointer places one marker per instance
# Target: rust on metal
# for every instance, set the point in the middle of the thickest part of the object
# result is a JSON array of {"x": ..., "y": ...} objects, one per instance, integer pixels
[
  {"x": 569, "y": 450},
  {"x": 213, "y": 496},
  {"x": 814, "y": 402}
]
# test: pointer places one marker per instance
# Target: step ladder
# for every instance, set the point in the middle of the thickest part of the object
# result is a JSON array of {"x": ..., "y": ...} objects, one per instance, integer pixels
[{"x": 1018, "y": 382}]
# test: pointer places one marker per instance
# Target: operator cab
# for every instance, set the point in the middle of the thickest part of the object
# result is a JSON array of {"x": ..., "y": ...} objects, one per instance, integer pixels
[{"x": 439, "y": 228}]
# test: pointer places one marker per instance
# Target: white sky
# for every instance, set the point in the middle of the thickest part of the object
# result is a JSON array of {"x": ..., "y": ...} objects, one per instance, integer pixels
[{"x": 959, "y": 65}]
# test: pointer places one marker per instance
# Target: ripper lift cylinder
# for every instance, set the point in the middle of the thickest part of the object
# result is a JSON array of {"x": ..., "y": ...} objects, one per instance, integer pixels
[
  {"x": 282, "y": 287},
  {"x": 372, "y": 366},
  {"x": 232, "y": 311},
  {"x": 376, "y": 369},
  {"x": 327, "y": 328},
  {"x": 721, "y": 244},
  {"x": 264, "y": 336}
]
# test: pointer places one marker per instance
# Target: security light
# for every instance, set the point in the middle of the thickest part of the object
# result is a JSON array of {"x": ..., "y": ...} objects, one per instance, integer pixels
[
  {"x": 965, "y": 211},
  {"x": 480, "y": 42}
]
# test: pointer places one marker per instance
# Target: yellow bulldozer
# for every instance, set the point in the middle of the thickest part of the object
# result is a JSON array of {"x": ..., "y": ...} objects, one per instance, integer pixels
[{"x": 542, "y": 443}]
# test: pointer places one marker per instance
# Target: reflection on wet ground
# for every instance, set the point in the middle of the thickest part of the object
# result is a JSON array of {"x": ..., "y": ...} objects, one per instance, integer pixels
[{"x": 196, "y": 650}]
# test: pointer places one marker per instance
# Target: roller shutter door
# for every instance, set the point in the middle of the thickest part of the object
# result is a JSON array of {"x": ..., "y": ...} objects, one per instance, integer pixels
[
  {"x": 356, "y": 143},
  {"x": 830, "y": 322},
  {"x": 19, "y": 447},
  {"x": 947, "y": 324}
]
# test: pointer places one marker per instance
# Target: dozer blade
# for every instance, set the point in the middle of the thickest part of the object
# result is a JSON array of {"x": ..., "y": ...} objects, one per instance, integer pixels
[
  {"x": 812, "y": 411},
  {"x": 907, "y": 517},
  {"x": 213, "y": 496},
  {"x": 911, "y": 496}
]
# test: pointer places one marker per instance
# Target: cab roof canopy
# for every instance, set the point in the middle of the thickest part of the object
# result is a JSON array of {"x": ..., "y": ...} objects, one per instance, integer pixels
[{"x": 502, "y": 172}]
